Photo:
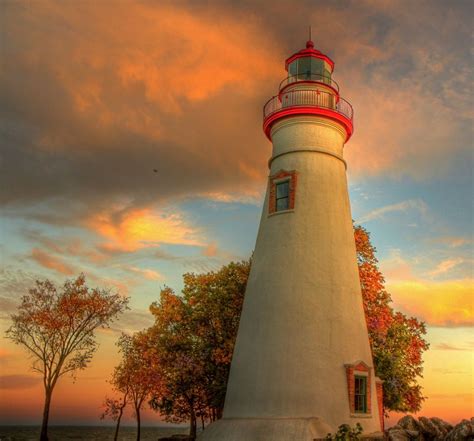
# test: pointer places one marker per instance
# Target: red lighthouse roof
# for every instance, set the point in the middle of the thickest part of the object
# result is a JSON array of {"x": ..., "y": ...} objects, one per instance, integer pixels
[{"x": 309, "y": 51}]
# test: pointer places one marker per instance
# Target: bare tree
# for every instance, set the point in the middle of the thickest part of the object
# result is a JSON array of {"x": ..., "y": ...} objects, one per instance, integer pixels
[{"x": 57, "y": 328}]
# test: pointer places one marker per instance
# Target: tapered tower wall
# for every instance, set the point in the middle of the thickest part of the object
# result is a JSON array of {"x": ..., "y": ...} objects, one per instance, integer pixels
[
  {"x": 303, "y": 317},
  {"x": 302, "y": 336}
]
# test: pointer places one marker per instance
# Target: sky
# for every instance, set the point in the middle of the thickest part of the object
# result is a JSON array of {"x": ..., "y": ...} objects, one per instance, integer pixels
[{"x": 96, "y": 96}]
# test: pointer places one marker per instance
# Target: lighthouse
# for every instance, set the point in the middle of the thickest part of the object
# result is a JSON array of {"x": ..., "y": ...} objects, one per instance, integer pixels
[{"x": 302, "y": 363}]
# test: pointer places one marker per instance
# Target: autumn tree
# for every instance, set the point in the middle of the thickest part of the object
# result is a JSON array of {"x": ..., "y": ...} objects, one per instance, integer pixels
[
  {"x": 182, "y": 395},
  {"x": 215, "y": 302},
  {"x": 57, "y": 327},
  {"x": 397, "y": 341},
  {"x": 195, "y": 333},
  {"x": 135, "y": 377}
]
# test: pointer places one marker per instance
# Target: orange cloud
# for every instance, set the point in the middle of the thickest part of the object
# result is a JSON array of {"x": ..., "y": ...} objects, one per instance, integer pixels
[
  {"x": 444, "y": 303},
  {"x": 141, "y": 228},
  {"x": 210, "y": 250},
  {"x": 130, "y": 79},
  {"x": 18, "y": 381},
  {"x": 48, "y": 261},
  {"x": 395, "y": 267}
]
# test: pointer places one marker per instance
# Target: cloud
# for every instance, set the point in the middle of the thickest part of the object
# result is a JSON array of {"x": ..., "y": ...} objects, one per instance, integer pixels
[
  {"x": 14, "y": 283},
  {"x": 130, "y": 321},
  {"x": 134, "y": 229},
  {"x": 230, "y": 198},
  {"x": 379, "y": 213},
  {"x": 445, "y": 266},
  {"x": 18, "y": 381},
  {"x": 395, "y": 267},
  {"x": 210, "y": 250},
  {"x": 117, "y": 105},
  {"x": 454, "y": 241},
  {"x": 65, "y": 245},
  {"x": 90, "y": 111},
  {"x": 51, "y": 262},
  {"x": 450, "y": 347},
  {"x": 444, "y": 303},
  {"x": 146, "y": 273}
]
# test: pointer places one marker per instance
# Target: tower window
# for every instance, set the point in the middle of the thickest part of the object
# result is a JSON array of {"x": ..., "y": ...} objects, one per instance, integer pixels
[
  {"x": 359, "y": 376},
  {"x": 282, "y": 196},
  {"x": 360, "y": 394},
  {"x": 282, "y": 189}
]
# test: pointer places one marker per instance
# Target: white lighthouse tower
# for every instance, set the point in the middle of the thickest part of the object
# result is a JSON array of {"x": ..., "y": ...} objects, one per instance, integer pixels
[{"x": 302, "y": 363}]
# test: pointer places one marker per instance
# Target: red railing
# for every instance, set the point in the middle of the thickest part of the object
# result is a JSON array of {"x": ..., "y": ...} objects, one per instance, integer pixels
[
  {"x": 308, "y": 77},
  {"x": 308, "y": 98}
]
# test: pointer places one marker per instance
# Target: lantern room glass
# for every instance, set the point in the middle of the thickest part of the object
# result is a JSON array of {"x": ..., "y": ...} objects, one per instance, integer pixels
[{"x": 309, "y": 69}]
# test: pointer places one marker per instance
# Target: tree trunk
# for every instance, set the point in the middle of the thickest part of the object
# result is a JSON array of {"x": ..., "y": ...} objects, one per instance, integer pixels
[
  {"x": 193, "y": 424},
  {"x": 137, "y": 411},
  {"x": 117, "y": 427},
  {"x": 44, "y": 425}
]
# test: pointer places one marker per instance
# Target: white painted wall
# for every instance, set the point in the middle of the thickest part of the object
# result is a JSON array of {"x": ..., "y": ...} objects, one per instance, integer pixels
[{"x": 302, "y": 317}]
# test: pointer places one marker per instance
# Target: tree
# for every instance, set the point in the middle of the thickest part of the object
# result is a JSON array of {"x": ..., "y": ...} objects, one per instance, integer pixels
[
  {"x": 195, "y": 335},
  {"x": 181, "y": 370},
  {"x": 215, "y": 303},
  {"x": 57, "y": 328},
  {"x": 397, "y": 341},
  {"x": 113, "y": 408},
  {"x": 135, "y": 377}
]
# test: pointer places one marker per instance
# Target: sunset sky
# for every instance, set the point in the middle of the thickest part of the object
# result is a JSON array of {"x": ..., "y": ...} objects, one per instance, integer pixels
[{"x": 95, "y": 95}]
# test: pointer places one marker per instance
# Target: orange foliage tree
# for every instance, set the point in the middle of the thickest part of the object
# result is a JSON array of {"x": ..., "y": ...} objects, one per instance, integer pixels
[
  {"x": 194, "y": 336},
  {"x": 136, "y": 376},
  {"x": 397, "y": 341},
  {"x": 58, "y": 329}
]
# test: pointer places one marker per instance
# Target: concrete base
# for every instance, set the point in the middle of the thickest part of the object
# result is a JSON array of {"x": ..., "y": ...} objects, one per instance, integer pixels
[{"x": 265, "y": 429}]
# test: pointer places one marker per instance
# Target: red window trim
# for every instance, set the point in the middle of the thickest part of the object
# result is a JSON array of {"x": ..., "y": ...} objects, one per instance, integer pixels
[
  {"x": 351, "y": 371},
  {"x": 280, "y": 176}
]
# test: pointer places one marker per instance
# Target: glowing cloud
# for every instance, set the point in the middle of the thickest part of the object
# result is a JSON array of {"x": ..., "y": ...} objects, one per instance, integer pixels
[
  {"x": 141, "y": 228},
  {"x": 446, "y": 303}
]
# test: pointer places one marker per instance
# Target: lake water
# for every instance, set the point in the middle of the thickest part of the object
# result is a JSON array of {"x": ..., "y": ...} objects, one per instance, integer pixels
[{"x": 85, "y": 433}]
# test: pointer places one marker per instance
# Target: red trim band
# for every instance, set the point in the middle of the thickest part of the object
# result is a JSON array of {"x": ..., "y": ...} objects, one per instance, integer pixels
[{"x": 317, "y": 111}]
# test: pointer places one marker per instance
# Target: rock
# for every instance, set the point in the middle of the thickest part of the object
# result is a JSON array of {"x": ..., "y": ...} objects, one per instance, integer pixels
[
  {"x": 430, "y": 429},
  {"x": 409, "y": 423},
  {"x": 397, "y": 434},
  {"x": 462, "y": 432},
  {"x": 443, "y": 427}
]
